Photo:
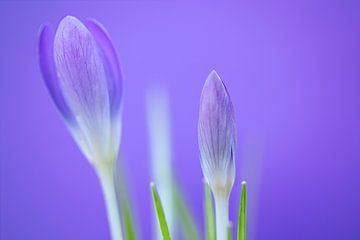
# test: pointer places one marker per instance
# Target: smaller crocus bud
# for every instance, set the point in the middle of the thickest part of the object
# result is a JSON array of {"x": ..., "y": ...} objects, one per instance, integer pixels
[
  {"x": 217, "y": 140},
  {"x": 81, "y": 71}
]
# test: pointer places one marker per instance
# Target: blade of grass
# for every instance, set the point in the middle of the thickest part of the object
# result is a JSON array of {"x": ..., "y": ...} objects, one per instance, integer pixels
[
  {"x": 186, "y": 219},
  {"x": 209, "y": 214},
  {"x": 128, "y": 222},
  {"x": 160, "y": 213},
  {"x": 229, "y": 232},
  {"x": 242, "y": 214},
  {"x": 125, "y": 206}
]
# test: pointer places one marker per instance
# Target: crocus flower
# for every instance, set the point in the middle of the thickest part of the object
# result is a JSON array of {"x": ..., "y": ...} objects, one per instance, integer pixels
[
  {"x": 82, "y": 74},
  {"x": 217, "y": 140}
]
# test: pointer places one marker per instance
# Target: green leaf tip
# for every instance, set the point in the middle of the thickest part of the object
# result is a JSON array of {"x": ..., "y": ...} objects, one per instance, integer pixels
[
  {"x": 242, "y": 213},
  {"x": 160, "y": 213},
  {"x": 209, "y": 214}
]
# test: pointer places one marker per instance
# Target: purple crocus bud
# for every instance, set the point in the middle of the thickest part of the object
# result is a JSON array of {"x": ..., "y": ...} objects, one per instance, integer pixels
[
  {"x": 82, "y": 74},
  {"x": 217, "y": 140},
  {"x": 217, "y": 135}
]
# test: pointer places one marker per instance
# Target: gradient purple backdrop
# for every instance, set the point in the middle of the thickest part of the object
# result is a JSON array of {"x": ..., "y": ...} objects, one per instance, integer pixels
[{"x": 292, "y": 69}]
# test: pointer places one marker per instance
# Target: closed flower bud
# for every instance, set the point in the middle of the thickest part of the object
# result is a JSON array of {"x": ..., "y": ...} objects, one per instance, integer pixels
[
  {"x": 81, "y": 71},
  {"x": 217, "y": 135},
  {"x": 217, "y": 140},
  {"x": 82, "y": 74}
]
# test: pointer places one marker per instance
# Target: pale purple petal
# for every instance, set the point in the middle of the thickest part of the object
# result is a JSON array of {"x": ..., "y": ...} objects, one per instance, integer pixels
[
  {"x": 115, "y": 78},
  {"x": 83, "y": 79},
  {"x": 217, "y": 132},
  {"x": 80, "y": 67},
  {"x": 47, "y": 65}
]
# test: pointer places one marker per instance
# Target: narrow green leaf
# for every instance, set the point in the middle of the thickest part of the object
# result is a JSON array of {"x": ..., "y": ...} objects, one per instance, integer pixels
[
  {"x": 186, "y": 219},
  {"x": 128, "y": 222},
  {"x": 242, "y": 213},
  {"x": 209, "y": 214},
  {"x": 160, "y": 213},
  {"x": 229, "y": 232},
  {"x": 124, "y": 202}
]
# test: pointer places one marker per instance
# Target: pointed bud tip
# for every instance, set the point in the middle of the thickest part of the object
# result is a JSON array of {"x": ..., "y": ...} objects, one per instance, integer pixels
[
  {"x": 69, "y": 19},
  {"x": 214, "y": 74},
  {"x": 243, "y": 183},
  {"x": 214, "y": 83},
  {"x": 213, "y": 77},
  {"x": 70, "y": 23}
]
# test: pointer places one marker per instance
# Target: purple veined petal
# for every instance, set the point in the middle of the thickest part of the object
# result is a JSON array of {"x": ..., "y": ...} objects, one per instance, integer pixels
[
  {"x": 83, "y": 77},
  {"x": 81, "y": 69},
  {"x": 217, "y": 133},
  {"x": 47, "y": 65},
  {"x": 106, "y": 45}
]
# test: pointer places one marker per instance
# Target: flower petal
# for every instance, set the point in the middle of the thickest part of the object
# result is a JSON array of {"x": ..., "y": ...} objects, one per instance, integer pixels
[
  {"x": 106, "y": 45},
  {"x": 217, "y": 133},
  {"x": 47, "y": 66},
  {"x": 83, "y": 80}
]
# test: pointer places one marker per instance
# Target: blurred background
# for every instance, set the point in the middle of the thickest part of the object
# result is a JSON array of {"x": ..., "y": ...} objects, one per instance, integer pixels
[{"x": 292, "y": 69}]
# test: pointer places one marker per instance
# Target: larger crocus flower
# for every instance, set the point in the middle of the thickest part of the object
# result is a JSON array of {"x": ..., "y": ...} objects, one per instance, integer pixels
[
  {"x": 82, "y": 74},
  {"x": 217, "y": 140}
]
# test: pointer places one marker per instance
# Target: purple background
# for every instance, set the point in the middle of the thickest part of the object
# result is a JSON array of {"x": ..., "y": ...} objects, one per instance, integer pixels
[{"x": 291, "y": 67}]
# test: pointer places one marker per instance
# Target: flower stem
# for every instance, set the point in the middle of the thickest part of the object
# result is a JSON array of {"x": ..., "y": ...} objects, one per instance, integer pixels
[
  {"x": 222, "y": 216},
  {"x": 105, "y": 174}
]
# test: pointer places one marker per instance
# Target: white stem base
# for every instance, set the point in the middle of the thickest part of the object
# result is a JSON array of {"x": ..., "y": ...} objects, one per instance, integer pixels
[
  {"x": 108, "y": 187},
  {"x": 222, "y": 216}
]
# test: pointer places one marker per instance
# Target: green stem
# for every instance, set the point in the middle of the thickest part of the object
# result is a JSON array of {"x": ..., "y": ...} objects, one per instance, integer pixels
[{"x": 106, "y": 177}]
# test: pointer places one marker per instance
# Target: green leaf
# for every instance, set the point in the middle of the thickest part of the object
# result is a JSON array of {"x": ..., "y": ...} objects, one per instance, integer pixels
[
  {"x": 130, "y": 232},
  {"x": 127, "y": 217},
  {"x": 186, "y": 219},
  {"x": 160, "y": 213},
  {"x": 209, "y": 214},
  {"x": 242, "y": 213},
  {"x": 229, "y": 232}
]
